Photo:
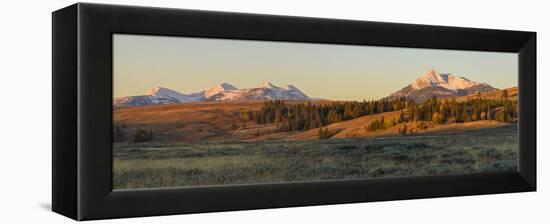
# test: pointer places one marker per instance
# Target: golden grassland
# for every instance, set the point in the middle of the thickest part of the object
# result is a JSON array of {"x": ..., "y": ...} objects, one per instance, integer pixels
[{"x": 154, "y": 165}]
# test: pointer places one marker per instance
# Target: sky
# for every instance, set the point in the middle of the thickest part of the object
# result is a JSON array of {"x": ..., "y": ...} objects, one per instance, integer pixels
[{"x": 329, "y": 71}]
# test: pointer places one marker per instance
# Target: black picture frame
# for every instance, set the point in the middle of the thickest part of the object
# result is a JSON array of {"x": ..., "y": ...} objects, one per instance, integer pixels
[{"x": 82, "y": 113}]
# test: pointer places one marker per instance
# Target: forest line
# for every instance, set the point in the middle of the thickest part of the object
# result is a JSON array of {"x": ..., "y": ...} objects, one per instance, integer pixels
[{"x": 306, "y": 116}]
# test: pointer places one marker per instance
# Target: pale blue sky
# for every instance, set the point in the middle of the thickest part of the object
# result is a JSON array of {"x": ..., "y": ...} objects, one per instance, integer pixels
[{"x": 337, "y": 72}]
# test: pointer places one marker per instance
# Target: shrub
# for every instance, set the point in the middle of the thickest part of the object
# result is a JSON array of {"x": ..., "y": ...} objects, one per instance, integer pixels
[{"x": 142, "y": 135}]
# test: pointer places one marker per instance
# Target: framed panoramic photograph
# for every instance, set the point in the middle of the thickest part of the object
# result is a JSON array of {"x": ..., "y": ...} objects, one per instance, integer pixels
[
  {"x": 194, "y": 111},
  {"x": 204, "y": 111}
]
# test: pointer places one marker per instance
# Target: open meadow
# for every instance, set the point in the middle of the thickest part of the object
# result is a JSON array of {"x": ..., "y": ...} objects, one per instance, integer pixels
[{"x": 180, "y": 164}]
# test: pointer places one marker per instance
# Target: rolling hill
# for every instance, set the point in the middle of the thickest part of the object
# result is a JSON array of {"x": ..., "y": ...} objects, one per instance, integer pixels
[{"x": 220, "y": 122}]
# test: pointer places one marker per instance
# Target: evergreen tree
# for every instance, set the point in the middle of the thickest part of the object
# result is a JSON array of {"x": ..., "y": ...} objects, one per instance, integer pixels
[
  {"x": 467, "y": 115},
  {"x": 403, "y": 130},
  {"x": 402, "y": 117},
  {"x": 475, "y": 113},
  {"x": 504, "y": 95},
  {"x": 500, "y": 116},
  {"x": 483, "y": 115}
]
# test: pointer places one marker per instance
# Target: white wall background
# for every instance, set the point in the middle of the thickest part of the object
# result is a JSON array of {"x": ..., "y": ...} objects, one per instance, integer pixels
[{"x": 25, "y": 112}]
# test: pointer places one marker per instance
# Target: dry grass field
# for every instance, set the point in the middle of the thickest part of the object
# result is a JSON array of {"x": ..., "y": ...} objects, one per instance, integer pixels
[
  {"x": 154, "y": 165},
  {"x": 186, "y": 122},
  {"x": 203, "y": 121}
]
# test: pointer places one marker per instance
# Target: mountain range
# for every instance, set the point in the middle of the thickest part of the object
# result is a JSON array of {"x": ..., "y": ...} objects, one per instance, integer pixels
[
  {"x": 432, "y": 83},
  {"x": 220, "y": 93},
  {"x": 442, "y": 86}
]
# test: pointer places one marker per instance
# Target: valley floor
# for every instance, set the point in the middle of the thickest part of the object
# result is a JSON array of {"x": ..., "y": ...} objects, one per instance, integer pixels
[{"x": 456, "y": 151}]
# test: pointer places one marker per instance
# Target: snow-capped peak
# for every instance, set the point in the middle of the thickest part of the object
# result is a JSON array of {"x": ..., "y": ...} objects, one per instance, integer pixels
[
  {"x": 161, "y": 91},
  {"x": 266, "y": 84},
  {"x": 165, "y": 93},
  {"x": 218, "y": 89},
  {"x": 264, "y": 91},
  {"x": 433, "y": 83},
  {"x": 154, "y": 90},
  {"x": 430, "y": 78},
  {"x": 448, "y": 81}
]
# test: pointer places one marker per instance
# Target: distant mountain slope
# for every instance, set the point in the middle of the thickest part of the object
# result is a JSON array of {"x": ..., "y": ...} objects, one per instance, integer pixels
[
  {"x": 164, "y": 93},
  {"x": 442, "y": 86},
  {"x": 156, "y": 95},
  {"x": 221, "y": 92}
]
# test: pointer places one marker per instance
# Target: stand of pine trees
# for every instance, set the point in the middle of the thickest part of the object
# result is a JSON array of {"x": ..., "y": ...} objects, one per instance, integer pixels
[
  {"x": 451, "y": 111},
  {"x": 306, "y": 116}
]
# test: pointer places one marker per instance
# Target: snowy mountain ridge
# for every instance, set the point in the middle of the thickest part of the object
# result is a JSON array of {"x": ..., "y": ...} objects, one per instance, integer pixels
[
  {"x": 448, "y": 81},
  {"x": 433, "y": 83},
  {"x": 221, "y": 92}
]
